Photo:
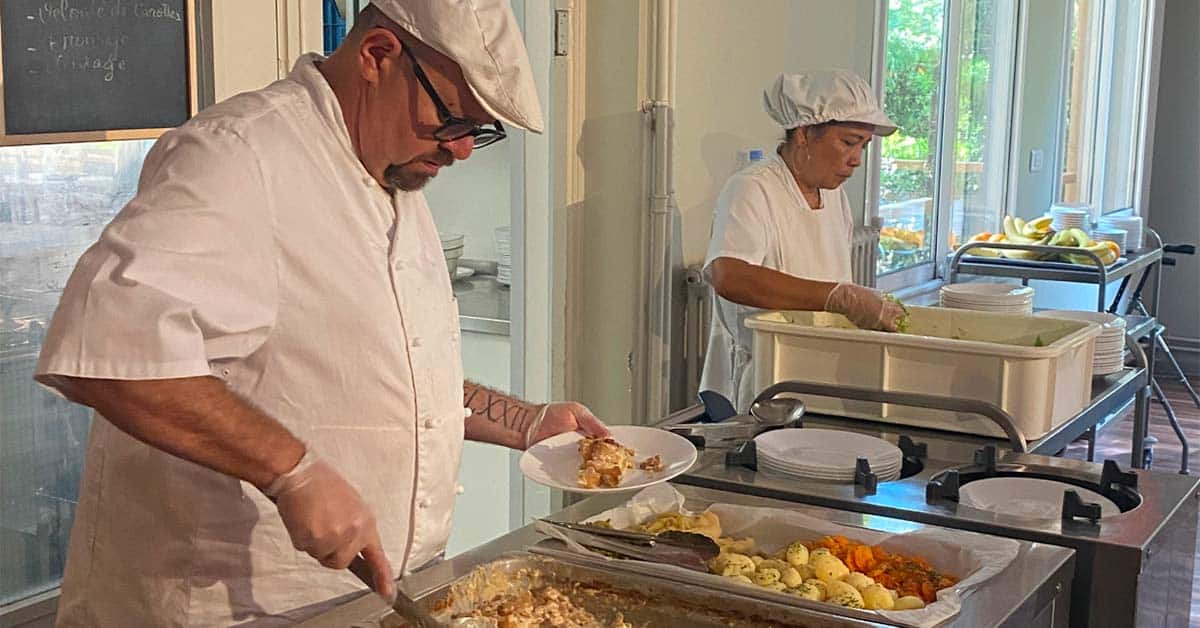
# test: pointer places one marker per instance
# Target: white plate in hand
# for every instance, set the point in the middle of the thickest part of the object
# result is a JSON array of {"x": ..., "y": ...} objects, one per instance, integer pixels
[{"x": 555, "y": 461}]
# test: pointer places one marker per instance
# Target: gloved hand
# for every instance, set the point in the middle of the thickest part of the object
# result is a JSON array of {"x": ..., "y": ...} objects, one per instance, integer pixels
[
  {"x": 557, "y": 418},
  {"x": 865, "y": 307},
  {"x": 327, "y": 518}
]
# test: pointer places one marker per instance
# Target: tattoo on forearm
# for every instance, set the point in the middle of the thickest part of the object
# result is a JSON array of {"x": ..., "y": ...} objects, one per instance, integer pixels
[{"x": 496, "y": 407}]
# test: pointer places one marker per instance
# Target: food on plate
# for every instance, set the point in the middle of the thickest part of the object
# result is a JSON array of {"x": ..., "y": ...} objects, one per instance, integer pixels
[
  {"x": 604, "y": 461},
  {"x": 705, "y": 523},
  {"x": 1040, "y": 232},
  {"x": 652, "y": 464}
]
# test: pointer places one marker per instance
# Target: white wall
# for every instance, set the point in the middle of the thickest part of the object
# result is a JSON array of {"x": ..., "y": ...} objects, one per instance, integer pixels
[
  {"x": 481, "y": 513},
  {"x": 727, "y": 54},
  {"x": 603, "y": 240},
  {"x": 1175, "y": 175},
  {"x": 255, "y": 43},
  {"x": 473, "y": 198}
]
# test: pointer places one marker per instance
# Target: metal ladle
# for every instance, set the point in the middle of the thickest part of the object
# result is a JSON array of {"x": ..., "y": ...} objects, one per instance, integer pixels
[{"x": 777, "y": 412}]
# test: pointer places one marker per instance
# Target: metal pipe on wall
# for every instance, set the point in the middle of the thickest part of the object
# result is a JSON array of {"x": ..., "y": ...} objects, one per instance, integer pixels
[{"x": 660, "y": 271}]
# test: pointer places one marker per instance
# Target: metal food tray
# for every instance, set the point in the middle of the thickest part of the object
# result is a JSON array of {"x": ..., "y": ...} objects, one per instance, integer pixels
[{"x": 642, "y": 601}]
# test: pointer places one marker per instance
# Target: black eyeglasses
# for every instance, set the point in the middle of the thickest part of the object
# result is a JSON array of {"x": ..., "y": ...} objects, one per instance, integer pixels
[{"x": 454, "y": 127}]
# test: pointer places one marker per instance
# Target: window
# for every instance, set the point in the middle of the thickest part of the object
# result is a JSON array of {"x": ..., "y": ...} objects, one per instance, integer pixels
[
  {"x": 949, "y": 88},
  {"x": 913, "y": 101},
  {"x": 1103, "y": 103},
  {"x": 54, "y": 201}
]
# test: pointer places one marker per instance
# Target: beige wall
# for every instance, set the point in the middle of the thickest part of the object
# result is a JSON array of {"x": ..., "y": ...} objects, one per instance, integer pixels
[
  {"x": 603, "y": 290},
  {"x": 727, "y": 53},
  {"x": 256, "y": 42}
]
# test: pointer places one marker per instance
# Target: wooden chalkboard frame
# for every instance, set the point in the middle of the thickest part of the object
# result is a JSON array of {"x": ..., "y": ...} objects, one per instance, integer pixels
[{"x": 25, "y": 139}]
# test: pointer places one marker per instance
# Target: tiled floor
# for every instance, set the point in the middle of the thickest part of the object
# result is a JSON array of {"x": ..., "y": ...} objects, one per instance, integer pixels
[{"x": 1114, "y": 443}]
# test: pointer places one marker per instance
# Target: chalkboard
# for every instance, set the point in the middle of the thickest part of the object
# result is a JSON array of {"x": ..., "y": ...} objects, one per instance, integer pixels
[{"x": 90, "y": 66}]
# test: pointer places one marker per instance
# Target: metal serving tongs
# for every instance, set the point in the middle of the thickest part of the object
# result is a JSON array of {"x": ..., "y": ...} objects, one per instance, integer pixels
[{"x": 682, "y": 549}]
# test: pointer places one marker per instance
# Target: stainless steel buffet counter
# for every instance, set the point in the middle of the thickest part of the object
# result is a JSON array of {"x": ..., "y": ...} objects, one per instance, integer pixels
[{"x": 1033, "y": 592}]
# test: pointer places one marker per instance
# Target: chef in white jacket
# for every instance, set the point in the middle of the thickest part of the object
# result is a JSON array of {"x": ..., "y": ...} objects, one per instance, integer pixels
[
  {"x": 269, "y": 337},
  {"x": 782, "y": 227}
]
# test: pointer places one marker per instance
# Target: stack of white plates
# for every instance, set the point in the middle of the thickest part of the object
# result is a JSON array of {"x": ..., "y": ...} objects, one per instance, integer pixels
[
  {"x": 1131, "y": 224},
  {"x": 452, "y": 248},
  {"x": 988, "y": 297},
  {"x": 826, "y": 454},
  {"x": 504, "y": 255},
  {"x": 1070, "y": 216},
  {"x": 1110, "y": 234},
  {"x": 1110, "y": 346}
]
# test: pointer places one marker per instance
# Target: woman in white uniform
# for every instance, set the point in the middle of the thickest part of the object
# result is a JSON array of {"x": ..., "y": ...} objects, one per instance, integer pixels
[{"x": 782, "y": 229}]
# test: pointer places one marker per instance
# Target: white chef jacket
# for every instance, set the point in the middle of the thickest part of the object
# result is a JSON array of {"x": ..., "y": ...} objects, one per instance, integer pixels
[
  {"x": 259, "y": 250},
  {"x": 763, "y": 219}
]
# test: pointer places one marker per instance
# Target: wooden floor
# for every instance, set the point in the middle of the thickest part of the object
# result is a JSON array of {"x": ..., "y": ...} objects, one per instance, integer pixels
[{"x": 1114, "y": 443}]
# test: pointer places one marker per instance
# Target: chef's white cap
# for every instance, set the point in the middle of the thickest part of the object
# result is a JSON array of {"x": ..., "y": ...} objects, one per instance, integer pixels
[
  {"x": 819, "y": 96},
  {"x": 483, "y": 38}
]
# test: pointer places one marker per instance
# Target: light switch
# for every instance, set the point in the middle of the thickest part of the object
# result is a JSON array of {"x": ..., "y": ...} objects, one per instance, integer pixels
[{"x": 1037, "y": 159}]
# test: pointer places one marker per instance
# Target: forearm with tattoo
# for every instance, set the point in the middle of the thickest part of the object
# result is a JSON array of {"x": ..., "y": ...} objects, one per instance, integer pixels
[{"x": 496, "y": 417}]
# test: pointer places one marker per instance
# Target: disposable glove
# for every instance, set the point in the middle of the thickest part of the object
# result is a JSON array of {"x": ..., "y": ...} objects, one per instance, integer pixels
[
  {"x": 865, "y": 307},
  {"x": 327, "y": 519},
  {"x": 557, "y": 418}
]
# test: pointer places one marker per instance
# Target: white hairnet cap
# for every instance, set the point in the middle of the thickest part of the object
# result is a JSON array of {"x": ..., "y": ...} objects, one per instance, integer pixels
[
  {"x": 483, "y": 38},
  {"x": 819, "y": 96}
]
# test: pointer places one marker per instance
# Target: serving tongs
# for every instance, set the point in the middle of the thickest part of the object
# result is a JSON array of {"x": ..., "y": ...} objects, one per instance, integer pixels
[{"x": 681, "y": 549}]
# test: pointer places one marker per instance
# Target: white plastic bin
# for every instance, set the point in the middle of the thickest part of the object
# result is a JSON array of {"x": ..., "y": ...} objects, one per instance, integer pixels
[{"x": 949, "y": 352}]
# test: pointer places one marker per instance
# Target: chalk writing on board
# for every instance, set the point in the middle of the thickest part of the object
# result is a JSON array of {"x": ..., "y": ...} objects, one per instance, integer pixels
[
  {"x": 80, "y": 65},
  {"x": 66, "y": 10}
]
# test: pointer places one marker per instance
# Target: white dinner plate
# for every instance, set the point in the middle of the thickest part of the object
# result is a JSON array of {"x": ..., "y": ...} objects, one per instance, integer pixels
[
  {"x": 1032, "y": 498},
  {"x": 554, "y": 462},
  {"x": 828, "y": 450},
  {"x": 987, "y": 293},
  {"x": 884, "y": 476}
]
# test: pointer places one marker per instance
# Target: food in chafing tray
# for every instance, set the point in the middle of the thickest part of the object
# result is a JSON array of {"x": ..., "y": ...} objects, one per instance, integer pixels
[
  {"x": 705, "y": 523},
  {"x": 543, "y": 606},
  {"x": 833, "y": 569},
  {"x": 604, "y": 462}
]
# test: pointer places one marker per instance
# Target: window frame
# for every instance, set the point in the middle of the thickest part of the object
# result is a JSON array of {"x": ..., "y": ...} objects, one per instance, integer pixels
[
  {"x": 1095, "y": 144},
  {"x": 944, "y": 159}
]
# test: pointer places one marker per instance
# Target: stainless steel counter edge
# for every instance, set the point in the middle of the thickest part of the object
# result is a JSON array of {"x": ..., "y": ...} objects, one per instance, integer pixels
[{"x": 1038, "y": 567}]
